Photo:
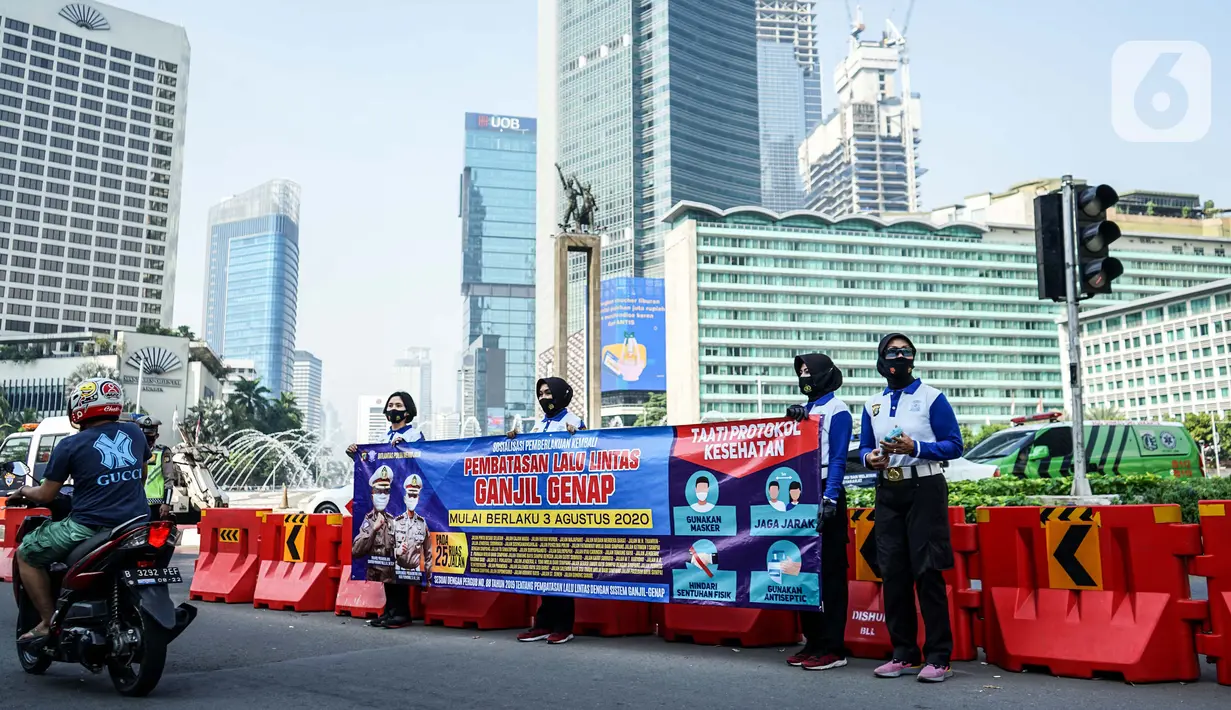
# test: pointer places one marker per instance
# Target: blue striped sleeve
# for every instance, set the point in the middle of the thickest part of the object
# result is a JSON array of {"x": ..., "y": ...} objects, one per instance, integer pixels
[
  {"x": 839, "y": 444},
  {"x": 948, "y": 444}
]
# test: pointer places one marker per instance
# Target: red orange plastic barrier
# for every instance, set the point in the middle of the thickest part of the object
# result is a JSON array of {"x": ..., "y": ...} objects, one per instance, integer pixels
[
  {"x": 867, "y": 636},
  {"x": 1081, "y": 591},
  {"x": 299, "y": 562},
  {"x": 466, "y": 608},
  {"x": 226, "y": 568},
  {"x": 362, "y": 600},
  {"x": 601, "y": 617},
  {"x": 1215, "y": 566},
  {"x": 9, "y": 526},
  {"x": 729, "y": 626}
]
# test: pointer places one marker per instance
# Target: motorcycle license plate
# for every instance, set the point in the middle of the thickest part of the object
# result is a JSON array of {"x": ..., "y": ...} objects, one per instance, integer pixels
[{"x": 144, "y": 577}]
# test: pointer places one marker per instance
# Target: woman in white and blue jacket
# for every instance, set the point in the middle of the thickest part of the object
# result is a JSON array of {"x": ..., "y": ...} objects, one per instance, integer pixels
[
  {"x": 553, "y": 621},
  {"x": 400, "y": 412},
  {"x": 909, "y": 434},
  {"x": 824, "y": 630}
]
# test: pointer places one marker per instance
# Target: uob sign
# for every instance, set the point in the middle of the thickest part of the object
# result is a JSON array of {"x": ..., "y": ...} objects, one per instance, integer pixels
[{"x": 500, "y": 122}]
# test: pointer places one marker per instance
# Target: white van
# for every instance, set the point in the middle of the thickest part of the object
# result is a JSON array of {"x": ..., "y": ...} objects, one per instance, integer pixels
[{"x": 33, "y": 447}]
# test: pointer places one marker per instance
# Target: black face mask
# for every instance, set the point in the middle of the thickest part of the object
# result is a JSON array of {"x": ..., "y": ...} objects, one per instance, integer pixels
[
  {"x": 548, "y": 405},
  {"x": 823, "y": 376},
  {"x": 898, "y": 372},
  {"x": 395, "y": 416}
]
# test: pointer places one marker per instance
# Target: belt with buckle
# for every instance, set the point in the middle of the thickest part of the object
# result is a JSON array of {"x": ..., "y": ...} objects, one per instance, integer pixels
[{"x": 894, "y": 474}]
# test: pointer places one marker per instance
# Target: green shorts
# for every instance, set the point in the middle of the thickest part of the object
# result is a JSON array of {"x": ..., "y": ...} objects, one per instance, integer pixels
[{"x": 52, "y": 542}]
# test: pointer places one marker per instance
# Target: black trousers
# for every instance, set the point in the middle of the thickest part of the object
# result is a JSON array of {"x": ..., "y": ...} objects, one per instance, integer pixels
[
  {"x": 556, "y": 615},
  {"x": 825, "y": 630},
  {"x": 912, "y": 549},
  {"x": 397, "y": 600}
]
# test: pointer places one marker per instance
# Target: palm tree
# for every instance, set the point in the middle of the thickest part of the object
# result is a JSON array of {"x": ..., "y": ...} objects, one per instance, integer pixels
[
  {"x": 11, "y": 421},
  {"x": 249, "y": 404},
  {"x": 1104, "y": 413}
]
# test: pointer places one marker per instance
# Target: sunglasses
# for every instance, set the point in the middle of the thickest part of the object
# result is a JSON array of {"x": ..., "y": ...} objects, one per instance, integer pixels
[{"x": 891, "y": 353}]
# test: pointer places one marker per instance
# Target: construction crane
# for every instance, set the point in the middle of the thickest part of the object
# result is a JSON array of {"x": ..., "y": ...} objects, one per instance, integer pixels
[
  {"x": 855, "y": 22},
  {"x": 897, "y": 39}
]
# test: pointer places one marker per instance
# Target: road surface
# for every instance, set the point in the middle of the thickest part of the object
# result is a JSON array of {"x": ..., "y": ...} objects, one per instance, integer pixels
[{"x": 236, "y": 657}]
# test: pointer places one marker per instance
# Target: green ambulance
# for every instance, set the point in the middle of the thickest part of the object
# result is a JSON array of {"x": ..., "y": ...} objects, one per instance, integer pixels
[{"x": 1042, "y": 447}]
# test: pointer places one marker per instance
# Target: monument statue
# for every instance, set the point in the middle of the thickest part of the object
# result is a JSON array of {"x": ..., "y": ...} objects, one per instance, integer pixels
[{"x": 580, "y": 204}]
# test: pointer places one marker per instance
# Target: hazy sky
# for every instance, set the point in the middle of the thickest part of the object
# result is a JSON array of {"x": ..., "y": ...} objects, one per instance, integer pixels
[{"x": 362, "y": 103}]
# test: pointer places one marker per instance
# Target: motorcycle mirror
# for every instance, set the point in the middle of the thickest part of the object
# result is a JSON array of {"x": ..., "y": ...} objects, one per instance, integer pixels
[{"x": 17, "y": 468}]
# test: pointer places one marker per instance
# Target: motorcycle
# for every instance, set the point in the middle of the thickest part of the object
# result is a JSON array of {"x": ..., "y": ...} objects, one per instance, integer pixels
[{"x": 113, "y": 609}]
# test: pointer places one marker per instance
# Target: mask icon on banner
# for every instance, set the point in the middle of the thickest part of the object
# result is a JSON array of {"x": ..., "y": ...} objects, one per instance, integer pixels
[{"x": 380, "y": 501}]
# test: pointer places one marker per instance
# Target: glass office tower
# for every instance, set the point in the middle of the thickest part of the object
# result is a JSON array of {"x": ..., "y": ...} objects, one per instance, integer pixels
[
  {"x": 252, "y": 289},
  {"x": 497, "y": 211}
]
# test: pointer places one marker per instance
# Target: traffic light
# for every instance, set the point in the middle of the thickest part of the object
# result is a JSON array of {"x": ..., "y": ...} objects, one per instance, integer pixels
[
  {"x": 1094, "y": 233},
  {"x": 1049, "y": 245}
]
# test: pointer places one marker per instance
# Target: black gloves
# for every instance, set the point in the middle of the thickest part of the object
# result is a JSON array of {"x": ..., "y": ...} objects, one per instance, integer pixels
[
  {"x": 829, "y": 508},
  {"x": 797, "y": 412}
]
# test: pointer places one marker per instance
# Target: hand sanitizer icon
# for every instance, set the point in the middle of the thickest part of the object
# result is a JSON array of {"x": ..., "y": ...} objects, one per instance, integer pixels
[{"x": 775, "y": 567}]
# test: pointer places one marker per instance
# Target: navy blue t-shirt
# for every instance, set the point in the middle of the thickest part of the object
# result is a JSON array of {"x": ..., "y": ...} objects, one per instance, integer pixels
[{"x": 106, "y": 463}]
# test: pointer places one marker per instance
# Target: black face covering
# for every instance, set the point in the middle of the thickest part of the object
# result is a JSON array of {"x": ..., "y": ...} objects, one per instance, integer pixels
[
  {"x": 397, "y": 417},
  {"x": 561, "y": 395},
  {"x": 823, "y": 376},
  {"x": 898, "y": 372}
]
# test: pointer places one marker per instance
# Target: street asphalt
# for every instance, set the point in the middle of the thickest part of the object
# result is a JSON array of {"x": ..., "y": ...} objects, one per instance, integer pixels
[{"x": 236, "y": 657}]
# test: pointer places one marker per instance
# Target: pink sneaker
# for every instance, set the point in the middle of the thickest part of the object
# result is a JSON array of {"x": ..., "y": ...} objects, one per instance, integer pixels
[
  {"x": 896, "y": 668},
  {"x": 932, "y": 673}
]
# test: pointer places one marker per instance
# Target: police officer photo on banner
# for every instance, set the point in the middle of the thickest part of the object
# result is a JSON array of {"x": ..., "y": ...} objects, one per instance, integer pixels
[
  {"x": 553, "y": 622},
  {"x": 378, "y": 534},
  {"x": 411, "y": 538},
  {"x": 908, "y": 435},
  {"x": 825, "y": 628}
]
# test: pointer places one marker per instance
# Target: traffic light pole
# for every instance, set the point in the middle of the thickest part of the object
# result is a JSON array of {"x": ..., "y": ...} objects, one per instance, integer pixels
[{"x": 1081, "y": 485}]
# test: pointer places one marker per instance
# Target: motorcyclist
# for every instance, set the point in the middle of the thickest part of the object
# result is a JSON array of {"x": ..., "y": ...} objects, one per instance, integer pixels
[
  {"x": 159, "y": 470},
  {"x": 104, "y": 461}
]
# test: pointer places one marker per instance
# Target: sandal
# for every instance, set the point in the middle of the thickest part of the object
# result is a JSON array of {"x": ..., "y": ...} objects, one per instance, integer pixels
[{"x": 33, "y": 635}]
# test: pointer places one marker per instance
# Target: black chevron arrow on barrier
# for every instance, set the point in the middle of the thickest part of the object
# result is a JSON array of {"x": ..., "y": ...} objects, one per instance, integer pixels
[
  {"x": 868, "y": 550},
  {"x": 293, "y": 535},
  {"x": 1066, "y": 555}
]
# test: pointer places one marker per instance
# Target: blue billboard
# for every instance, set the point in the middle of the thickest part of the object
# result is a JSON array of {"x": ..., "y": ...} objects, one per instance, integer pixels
[{"x": 634, "y": 334}]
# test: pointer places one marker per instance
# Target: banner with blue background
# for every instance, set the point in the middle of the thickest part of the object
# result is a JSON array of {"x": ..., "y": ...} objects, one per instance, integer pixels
[{"x": 720, "y": 514}]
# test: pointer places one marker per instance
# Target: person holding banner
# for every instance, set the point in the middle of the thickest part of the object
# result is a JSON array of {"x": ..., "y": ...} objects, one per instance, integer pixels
[
  {"x": 909, "y": 434},
  {"x": 554, "y": 619},
  {"x": 400, "y": 412},
  {"x": 824, "y": 629}
]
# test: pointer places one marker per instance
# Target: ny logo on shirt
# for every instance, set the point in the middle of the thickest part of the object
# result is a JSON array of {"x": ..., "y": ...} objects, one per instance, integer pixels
[{"x": 117, "y": 452}]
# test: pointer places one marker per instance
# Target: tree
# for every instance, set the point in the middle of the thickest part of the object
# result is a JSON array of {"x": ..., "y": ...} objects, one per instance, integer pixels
[
  {"x": 11, "y": 421},
  {"x": 1198, "y": 425},
  {"x": 283, "y": 414},
  {"x": 1105, "y": 413},
  {"x": 215, "y": 420},
  {"x": 90, "y": 370},
  {"x": 983, "y": 433},
  {"x": 1210, "y": 210},
  {"x": 655, "y": 412},
  {"x": 248, "y": 404},
  {"x": 1150, "y": 208},
  {"x": 1186, "y": 211},
  {"x": 182, "y": 331}
]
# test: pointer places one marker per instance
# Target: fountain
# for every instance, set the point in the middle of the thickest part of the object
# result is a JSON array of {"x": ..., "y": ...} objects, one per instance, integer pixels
[{"x": 252, "y": 460}]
